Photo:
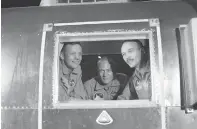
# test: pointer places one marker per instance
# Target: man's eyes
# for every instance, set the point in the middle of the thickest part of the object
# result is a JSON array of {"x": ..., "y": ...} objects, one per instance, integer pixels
[
  {"x": 130, "y": 50},
  {"x": 101, "y": 70},
  {"x": 74, "y": 53},
  {"x": 108, "y": 70}
]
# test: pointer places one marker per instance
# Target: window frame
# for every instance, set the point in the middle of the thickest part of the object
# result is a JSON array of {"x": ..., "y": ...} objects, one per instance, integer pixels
[
  {"x": 156, "y": 62},
  {"x": 186, "y": 37}
]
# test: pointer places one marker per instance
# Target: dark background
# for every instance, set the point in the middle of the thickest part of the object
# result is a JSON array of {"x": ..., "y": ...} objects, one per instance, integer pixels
[
  {"x": 26, "y": 3},
  {"x": 19, "y": 3}
]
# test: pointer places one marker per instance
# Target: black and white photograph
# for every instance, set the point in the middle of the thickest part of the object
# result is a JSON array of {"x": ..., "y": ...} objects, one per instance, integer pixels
[{"x": 98, "y": 64}]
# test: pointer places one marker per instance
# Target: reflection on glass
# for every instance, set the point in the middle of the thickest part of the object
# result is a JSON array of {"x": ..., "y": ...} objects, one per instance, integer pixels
[
  {"x": 62, "y": 1},
  {"x": 101, "y": 0},
  {"x": 74, "y": 1},
  {"x": 88, "y": 0}
]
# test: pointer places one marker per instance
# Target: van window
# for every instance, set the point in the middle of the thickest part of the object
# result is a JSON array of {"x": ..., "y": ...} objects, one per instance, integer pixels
[{"x": 113, "y": 66}]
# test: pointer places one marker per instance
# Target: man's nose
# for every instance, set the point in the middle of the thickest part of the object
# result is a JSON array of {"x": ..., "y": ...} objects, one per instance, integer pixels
[
  {"x": 127, "y": 59},
  {"x": 105, "y": 73},
  {"x": 77, "y": 56}
]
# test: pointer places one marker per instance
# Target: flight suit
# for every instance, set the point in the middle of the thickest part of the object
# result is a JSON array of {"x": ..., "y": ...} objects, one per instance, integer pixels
[
  {"x": 71, "y": 86},
  {"x": 139, "y": 85},
  {"x": 95, "y": 88}
]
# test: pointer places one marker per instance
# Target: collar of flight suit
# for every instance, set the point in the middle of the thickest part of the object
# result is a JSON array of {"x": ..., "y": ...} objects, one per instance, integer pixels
[{"x": 144, "y": 69}]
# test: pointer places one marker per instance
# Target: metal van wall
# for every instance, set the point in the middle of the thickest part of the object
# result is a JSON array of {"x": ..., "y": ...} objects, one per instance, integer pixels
[{"x": 21, "y": 44}]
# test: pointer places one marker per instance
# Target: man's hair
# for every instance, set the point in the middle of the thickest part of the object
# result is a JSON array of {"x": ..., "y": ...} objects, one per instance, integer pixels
[
  {"x": 139, "y": 43},
  {"x": 69, "y": 43},
  {"x": 110, "y": 61}
]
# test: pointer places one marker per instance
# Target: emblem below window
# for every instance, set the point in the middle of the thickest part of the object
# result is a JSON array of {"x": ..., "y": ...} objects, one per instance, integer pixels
[{"x": 104, "y": 118}]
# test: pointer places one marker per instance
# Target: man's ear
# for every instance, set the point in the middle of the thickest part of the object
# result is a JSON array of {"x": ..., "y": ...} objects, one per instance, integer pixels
[{"x": 61, "y": 56}]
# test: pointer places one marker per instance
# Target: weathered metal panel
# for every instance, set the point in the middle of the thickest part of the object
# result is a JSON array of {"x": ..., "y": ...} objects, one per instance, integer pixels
[
  {"x": 192, "y": 3},
  {"x": 170, "y": 61},
  {"x": 144, "y": 118},
  {"x": 19, "y": 118},
  {"x": 124, "y": 11},
  {"x": 48, "y": 76},
  {"x": 20, "y": 66},
  {"x": 177, "y": 119},
  {"x": 171, "y": 15}
]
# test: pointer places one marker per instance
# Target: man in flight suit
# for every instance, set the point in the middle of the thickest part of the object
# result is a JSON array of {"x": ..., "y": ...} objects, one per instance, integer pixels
[
  {"x": 108, "y": 84},
  {"x": 71, "y": 86},
  {"x": 139, "y": 85}
]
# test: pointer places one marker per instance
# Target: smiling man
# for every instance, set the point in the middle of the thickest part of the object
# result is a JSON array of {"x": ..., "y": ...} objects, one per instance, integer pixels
[
  {"x": 108, "y": 84},
  {"x": 71, "y": 86},
  {"x": 139, "y": 85}
]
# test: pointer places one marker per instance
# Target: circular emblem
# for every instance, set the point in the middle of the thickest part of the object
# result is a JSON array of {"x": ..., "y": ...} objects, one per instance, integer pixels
[
  {"x": 98, "y": 95},
  {"x": 137, "y": 85},
  {"x": 71, "y": 83}
]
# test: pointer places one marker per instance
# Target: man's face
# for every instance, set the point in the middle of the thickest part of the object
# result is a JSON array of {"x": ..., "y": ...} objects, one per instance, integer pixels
[
  {"x": 131, "y": 53},
  {"x": 72, "y": 56},
  {"x": 105, "y": 72}
]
